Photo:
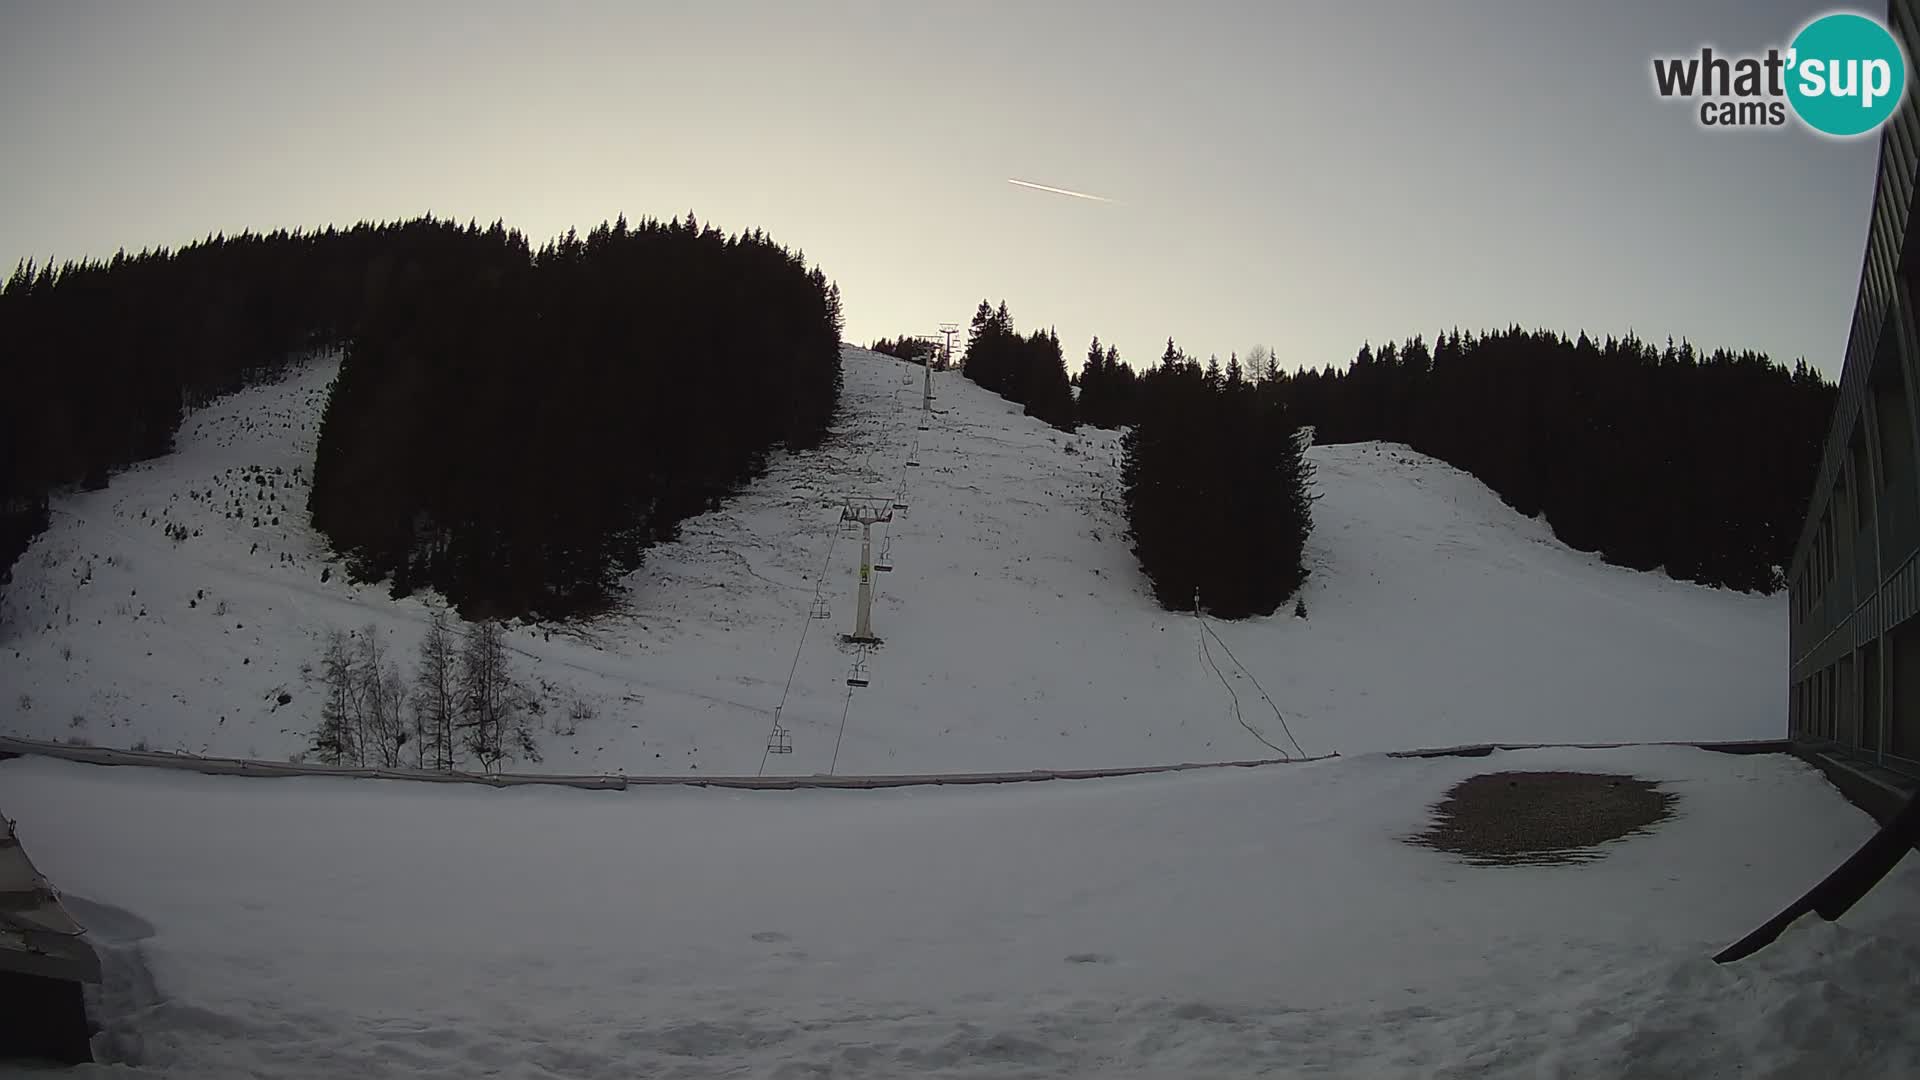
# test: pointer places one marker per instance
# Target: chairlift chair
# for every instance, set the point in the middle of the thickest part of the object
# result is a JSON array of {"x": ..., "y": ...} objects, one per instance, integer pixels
[
  {"x": 780, "y": 741},
  {"x": 857, "y": 675},
  {"x": 821, "y": 609},
  {"x": 884, "y": 564}
]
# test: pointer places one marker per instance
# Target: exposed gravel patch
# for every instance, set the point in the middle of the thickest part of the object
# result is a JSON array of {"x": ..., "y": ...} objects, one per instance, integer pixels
[{"x": 1532, "y": 818}]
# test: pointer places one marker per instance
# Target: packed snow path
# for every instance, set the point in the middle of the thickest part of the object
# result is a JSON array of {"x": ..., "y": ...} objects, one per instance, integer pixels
[
  {"x": 180, "y": 607},
  {"x": 1229, "y": 923}
]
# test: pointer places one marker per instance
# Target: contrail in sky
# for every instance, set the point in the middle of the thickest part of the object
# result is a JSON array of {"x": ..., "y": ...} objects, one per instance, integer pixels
[{"x": 1058, "y": 190}]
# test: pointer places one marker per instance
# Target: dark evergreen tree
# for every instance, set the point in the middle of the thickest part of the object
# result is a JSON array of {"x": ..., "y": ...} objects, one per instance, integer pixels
[
  {"x": 1215, "y": 483},
  {"x": 1106, "y": 388},
  {"x": 1028, "y": 370}
]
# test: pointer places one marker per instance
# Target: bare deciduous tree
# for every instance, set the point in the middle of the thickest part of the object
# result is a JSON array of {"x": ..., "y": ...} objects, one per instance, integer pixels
[
  {"x": 436, "y": 702},
  {"x": 336, "y": 740},
  {"x": 1259, "y": 363},
  {"x": 494, "y": 720},
  {"x": 382, "y": 694}
]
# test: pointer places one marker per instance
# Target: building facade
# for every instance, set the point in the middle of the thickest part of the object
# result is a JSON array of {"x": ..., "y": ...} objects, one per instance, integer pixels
[{"x": 1854, "y": 586}]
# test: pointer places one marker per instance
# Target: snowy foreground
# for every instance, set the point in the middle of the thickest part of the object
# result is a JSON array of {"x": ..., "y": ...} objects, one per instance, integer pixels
[
  {"x": 1227, "y": 923},
  {"x": 1019, "y": 633}
]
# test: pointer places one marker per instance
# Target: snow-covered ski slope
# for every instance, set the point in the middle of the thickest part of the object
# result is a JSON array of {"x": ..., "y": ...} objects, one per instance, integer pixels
[
  {"x": 1017, "y": 630},
  {"x": 1263, "y": 922}
]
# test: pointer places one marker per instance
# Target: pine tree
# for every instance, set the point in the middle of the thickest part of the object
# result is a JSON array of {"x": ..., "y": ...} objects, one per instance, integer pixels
[
  {"x": 1124, "y": 387},
  {"x": 1095, "y": 388}
]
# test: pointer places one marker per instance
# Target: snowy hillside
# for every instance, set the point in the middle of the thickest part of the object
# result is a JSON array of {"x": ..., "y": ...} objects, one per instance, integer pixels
[{"x": 182, "y": 609}]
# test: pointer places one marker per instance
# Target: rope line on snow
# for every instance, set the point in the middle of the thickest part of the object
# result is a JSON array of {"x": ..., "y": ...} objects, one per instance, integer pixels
[
  {"x": 1264, "y": 696},
  {"x": 1235, "y": 698},
  {"x": 844, "y": 710},
  {"x": 819, "y": 586},
  {"x": 1207, "y": 653}
]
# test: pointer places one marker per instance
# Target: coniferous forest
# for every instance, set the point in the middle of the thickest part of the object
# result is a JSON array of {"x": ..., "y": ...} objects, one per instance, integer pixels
[
  {"x": 914, "y": 350},
  {"x": 559, "y": 411},
  {"x": 509, "y": 425},
  {"x": 102, "y": 357},
  {"x": 1028, "y": 370},
  {"x": 1107, "y": 388},
  {"x": 1216, "y": 496},
  {"x": 1698, "y": 463}
]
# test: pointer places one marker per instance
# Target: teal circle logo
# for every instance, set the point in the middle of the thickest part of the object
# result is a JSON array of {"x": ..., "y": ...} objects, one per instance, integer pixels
[{"x": 1845, "y": 74}]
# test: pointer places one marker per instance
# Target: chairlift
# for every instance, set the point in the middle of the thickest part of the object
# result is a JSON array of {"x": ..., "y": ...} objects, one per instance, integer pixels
[
  {"x": 821, "y": 609},
  {"x": 780, "y": 741},
  {"x": 884, "y": 564},
  {"x": 857, "y": 675}
]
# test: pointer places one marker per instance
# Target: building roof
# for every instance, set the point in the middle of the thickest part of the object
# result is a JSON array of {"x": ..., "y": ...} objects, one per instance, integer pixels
[{"x": 37, "y": 934}]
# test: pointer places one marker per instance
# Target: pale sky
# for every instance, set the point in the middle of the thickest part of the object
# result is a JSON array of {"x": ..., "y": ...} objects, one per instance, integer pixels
[{"x": 1305, "y": 176}]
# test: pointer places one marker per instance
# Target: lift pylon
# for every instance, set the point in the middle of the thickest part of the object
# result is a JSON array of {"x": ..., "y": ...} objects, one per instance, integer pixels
[{"x": 867, "y": 517}]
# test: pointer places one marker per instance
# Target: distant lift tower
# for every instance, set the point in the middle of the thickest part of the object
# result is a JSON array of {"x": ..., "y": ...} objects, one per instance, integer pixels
[
  {"x": 947, "y": 330},
  {"x": 868, "y": 517}
]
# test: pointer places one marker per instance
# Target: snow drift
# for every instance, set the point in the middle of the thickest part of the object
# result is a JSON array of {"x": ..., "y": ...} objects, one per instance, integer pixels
[{"x": 1226, "y": 923}]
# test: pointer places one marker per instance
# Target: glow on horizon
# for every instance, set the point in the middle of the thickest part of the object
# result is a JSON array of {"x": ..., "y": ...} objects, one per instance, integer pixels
[{"x": 1491, "y": 169}]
